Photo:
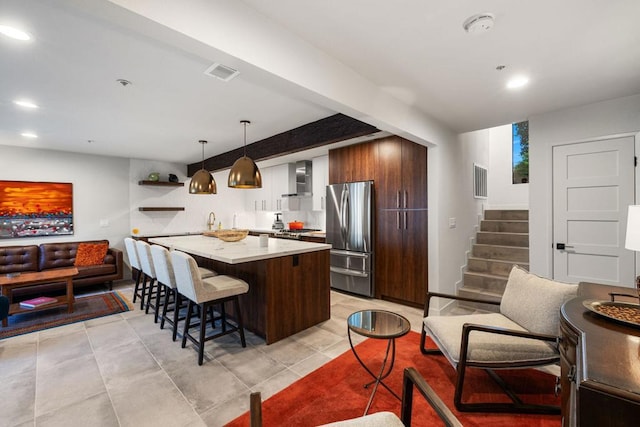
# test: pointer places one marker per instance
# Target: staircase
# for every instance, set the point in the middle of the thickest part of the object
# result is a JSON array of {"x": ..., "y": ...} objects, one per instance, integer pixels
[{"x": 502, "y": 242}]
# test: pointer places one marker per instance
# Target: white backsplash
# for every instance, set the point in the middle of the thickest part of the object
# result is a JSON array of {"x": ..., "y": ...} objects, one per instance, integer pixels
[{"x": 264, "y": 220}]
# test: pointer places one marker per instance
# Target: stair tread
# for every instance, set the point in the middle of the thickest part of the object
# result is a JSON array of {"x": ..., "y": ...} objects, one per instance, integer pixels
[
  {"x": 501, "y": 246},
  {"x": 493, "y": 276},
  {"x": 503, "y": 232},
  {"x": 505, "y": 261},
  {"x": 506, "y": 220}
]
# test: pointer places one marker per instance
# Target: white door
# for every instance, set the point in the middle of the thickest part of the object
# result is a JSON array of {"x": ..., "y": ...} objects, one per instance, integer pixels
[{"x": 593, "y": 184}]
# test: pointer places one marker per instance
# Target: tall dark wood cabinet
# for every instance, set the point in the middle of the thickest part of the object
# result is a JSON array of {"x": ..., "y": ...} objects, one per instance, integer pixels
[
  {"x": 401, "y": 221},
  {"x": 398, "y": 168}
]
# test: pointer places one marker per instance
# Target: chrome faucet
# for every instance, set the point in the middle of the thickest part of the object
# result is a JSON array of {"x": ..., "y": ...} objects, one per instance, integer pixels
[{"x": 212, "y": 221}]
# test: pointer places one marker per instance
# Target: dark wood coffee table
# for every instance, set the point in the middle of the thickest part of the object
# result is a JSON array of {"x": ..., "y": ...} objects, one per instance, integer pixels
[
  {"x": 378, "y": 324},
  {"x": 8, "y": 284}
]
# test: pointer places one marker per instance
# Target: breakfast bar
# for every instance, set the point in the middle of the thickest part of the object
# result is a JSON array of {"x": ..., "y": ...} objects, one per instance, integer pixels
[{"x": 288, "y": 279}]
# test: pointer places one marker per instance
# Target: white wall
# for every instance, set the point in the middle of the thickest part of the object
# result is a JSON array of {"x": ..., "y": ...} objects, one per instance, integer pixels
[
  {"x": 451, "y": 197},
  {"x": 100, "y": 190},
  {"x": 106, "y": 188},
  {"x": 618, "y": 116},
  {"x": 502, "y": 193},
  {"x": 194, "y": 218}
]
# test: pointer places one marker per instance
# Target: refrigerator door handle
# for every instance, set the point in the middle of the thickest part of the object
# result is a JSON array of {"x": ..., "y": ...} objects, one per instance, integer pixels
[
  {"x": 348, "y": 272},
  {"x": 343, "y": 213},
  {"x": 349, "y": 253}
]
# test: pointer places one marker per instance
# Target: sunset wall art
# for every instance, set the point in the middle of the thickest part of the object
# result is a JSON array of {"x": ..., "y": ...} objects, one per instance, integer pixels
[{"x": 35, "y": 209}]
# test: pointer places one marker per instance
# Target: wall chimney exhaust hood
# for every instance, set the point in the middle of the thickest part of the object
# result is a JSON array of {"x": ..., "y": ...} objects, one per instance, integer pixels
[{"x": 300, "y": 184}]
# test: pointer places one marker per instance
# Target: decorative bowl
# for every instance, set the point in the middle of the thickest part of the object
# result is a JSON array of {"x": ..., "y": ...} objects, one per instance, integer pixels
[{"x": 229, "y": 235}]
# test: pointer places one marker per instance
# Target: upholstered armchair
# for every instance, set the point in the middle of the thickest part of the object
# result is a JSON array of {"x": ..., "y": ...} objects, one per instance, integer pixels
[
  {"x": 411, "y": 380},
  {"x": 523, "y": 334}
]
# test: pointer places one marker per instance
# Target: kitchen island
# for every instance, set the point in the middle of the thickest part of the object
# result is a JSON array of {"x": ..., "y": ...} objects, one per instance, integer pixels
[{"x": 288, "y": 280}]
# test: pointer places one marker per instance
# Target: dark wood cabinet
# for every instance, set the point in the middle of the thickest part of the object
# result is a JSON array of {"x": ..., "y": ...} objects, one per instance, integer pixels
[
  {"x": 398, "y": 168},
  {"x": 401, "y": 239},
  {"x": 352, "y": 163},
  {"x": 600, "y": 369},
  {"x": 400, "y": 174},
  {"x": 401, "y": 256}
]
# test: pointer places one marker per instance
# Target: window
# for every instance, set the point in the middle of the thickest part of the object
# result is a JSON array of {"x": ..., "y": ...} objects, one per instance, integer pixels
[{"x": 520, "y": 152}]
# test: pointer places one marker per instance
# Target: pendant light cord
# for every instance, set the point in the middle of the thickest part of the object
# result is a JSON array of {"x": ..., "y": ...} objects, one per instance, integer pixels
[
  {"x": 245, "y": 123},
  {"x": 202, "y": 143}
]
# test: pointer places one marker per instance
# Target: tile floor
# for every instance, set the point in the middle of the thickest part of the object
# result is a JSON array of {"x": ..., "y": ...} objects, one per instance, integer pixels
[{"x": 123, "y": 370}]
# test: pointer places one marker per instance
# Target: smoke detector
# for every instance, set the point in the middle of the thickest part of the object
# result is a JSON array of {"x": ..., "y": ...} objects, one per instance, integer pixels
[{"x": 478, "y": 24}]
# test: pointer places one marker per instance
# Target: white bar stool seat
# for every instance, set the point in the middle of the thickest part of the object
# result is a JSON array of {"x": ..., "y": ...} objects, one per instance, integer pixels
[
  {"x": 136, "y": 269},
  {"x": 206, "y": 293},
  {"x": 164, "y": 273},
  {"x": 152, "y": 290}
]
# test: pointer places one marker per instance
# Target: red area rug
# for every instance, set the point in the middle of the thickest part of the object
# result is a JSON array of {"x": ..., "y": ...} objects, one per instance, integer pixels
[
  {"x": 84, "y": 308},
  {"x": 335, "y": 391}
]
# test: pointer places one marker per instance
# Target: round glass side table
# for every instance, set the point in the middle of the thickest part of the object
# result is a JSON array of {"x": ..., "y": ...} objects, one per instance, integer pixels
[{"x": 378, "y": 324}]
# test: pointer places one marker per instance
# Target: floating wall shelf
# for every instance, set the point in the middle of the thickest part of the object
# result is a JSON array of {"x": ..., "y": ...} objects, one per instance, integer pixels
[
  {"x": 162, "y": 183},
  {"x": 160, "y": 209}
]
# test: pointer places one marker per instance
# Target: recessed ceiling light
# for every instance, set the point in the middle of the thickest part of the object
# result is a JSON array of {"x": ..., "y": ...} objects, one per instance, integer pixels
[
  {"x": 25, "y": 103},
  {"x": 14, "y": 33},
  {"x": 517, "y": 82},
  {"x": 29, "y": 135}
]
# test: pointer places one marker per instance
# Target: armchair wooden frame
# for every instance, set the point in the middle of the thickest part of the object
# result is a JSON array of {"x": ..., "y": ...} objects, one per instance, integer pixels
[{"x": 517, "y": 405}]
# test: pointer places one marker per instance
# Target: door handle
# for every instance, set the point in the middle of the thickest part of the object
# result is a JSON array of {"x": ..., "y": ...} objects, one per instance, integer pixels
[{"x": 562, "y": 246}]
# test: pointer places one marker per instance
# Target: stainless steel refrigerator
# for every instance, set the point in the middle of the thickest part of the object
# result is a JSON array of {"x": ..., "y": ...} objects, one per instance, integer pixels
[{"x": 350, "y": 232}]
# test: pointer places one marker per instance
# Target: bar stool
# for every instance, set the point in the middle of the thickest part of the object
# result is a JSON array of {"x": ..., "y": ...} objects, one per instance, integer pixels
[
  {"x": 165, "y": 276},
  {"x": 152, "y": 289},
  {"x": 136, "y": 269},
  {"x": 206, "y": 293}
]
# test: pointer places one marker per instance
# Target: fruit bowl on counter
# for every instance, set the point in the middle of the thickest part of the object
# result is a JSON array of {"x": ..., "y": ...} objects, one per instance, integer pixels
[{"x": 228, "y": 235}]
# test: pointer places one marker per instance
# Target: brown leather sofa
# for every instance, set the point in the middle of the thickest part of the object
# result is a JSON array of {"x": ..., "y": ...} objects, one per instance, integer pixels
[{"x": 46, "y": 256}]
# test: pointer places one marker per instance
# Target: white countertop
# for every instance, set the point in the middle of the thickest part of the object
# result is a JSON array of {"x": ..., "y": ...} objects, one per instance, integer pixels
[
  {"x": 245, "y": 250},
  {"x": 317, "y": 233},
  {"x": 175, "y": 233}
]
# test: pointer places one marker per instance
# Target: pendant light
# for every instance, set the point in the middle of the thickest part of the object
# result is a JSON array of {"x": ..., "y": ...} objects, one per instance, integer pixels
[
  {"x": 245, "y": 173},
  {"x": 202, "y": 181}
]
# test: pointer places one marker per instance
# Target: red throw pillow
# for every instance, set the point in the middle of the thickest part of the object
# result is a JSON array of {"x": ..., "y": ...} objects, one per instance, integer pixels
[{"x": 90, "y": 254}]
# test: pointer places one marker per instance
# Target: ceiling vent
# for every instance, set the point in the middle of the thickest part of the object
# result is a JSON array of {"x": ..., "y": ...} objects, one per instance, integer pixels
[{"x": 221, "y": 72}]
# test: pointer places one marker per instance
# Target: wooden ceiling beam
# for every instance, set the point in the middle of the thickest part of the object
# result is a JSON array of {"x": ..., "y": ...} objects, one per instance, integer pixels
[{"x": 325, "y": 131}]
